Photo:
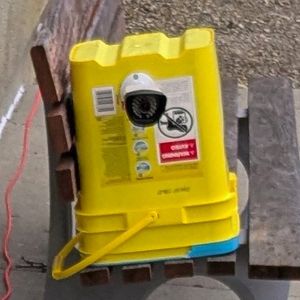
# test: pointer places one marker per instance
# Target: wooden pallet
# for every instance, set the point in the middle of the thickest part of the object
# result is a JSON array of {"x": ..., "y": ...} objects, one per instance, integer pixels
[{"x": 274, "y": 163}]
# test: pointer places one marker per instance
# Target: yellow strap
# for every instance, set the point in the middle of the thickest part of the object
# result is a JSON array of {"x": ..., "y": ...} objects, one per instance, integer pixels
[{"x": 57, "y": 269}]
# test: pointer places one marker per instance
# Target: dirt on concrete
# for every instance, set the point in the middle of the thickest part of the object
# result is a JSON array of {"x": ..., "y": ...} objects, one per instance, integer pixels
[{"x": 254, "y": 38}]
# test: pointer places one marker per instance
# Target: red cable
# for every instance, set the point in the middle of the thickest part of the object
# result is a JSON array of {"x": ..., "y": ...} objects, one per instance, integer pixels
[{"x": 8, "y": 191}]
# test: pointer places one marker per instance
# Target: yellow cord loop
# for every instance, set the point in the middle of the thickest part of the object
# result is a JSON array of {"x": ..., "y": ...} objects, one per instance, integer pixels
[{"x": 57, "y": 269}]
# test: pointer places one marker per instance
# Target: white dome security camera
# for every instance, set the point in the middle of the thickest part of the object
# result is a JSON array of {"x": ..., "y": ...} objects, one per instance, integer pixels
[{"x": 144, "y": 101}]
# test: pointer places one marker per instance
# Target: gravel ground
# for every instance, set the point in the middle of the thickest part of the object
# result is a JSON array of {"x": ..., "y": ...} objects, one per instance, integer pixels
[{"x": 255, "y": 38}]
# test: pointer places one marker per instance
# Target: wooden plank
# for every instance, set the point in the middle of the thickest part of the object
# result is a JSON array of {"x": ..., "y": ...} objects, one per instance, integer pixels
[
  {"x": 174, "y": 269},
  {"x": 225, "y": 265},
  {"x": 274, "y": 181},
  {"x": 58, "y": 129},
  {"x": 137, "y": 273},
  {"x": 63, "y": 24},
  {"x": 66, "y": 179},
  {"x": 43, "y": 74},
  {"x": 221, "y": 266},
  {"x": 112, "y": 14},
  {"x": 118, "y": 27},
  {"x": 92, "y": 277}
]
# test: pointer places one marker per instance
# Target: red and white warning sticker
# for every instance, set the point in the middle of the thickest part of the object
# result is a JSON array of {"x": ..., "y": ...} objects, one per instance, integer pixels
[
  {"x": 176, "y": 132},
  {"x": 178, "y": 151}
]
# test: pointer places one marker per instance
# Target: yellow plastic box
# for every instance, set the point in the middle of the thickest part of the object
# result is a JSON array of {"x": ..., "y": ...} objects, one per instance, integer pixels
[{"x": 151, "y": 193}]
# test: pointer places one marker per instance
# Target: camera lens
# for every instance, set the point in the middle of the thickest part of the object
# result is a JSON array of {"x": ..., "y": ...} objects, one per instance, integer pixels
[{"x": 144, "y": 106}]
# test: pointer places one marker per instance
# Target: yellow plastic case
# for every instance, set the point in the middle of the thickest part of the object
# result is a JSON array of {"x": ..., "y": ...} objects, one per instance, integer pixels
[{"x": 151, "y": 193}]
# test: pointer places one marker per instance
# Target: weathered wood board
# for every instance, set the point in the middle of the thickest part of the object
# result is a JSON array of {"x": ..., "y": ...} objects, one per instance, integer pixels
[{"x": 274, "y": 181}]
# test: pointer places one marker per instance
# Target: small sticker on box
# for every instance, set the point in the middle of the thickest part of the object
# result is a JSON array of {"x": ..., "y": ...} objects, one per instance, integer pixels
[
  {"x": 104, "y": 101},
  {"x": 185, "y": 150}
]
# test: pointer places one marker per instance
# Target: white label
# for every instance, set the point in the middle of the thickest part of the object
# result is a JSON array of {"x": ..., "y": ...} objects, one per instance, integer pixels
[
  {"x": 104, "y": 101},
  {"x": 176, "y": 132}
]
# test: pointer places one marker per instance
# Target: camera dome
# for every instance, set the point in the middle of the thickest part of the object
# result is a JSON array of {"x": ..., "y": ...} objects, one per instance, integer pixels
[{"x": 144, "y": 102}]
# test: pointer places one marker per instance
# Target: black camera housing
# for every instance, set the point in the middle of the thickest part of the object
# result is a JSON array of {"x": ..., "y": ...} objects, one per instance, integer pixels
[{"x": 145, "y": 107}]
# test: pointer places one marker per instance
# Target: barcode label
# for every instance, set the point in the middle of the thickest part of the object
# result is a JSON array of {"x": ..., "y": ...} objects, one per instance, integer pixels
[{"x": 104, "y": 101}]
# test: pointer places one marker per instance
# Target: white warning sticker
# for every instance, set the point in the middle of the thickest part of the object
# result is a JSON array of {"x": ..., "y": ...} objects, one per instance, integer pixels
[{"x": 176, "y": 132}]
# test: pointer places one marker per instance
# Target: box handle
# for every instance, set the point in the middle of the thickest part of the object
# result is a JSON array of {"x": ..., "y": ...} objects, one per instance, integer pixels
[{"x": 57, "y": 269}]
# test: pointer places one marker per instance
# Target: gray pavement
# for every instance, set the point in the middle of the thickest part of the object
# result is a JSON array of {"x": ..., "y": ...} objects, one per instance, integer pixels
[
  {"x": 31, "y": 215},
  {"x": 15, "y": 40},
  {"x": 30, "y": 200},
  {"x": 196, "y": 288}
]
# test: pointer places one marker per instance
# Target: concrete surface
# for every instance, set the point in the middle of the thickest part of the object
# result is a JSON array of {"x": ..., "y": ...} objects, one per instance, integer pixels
[
  {"x": 17, "y": 19},
  {"x": 31, "y": 215},
  {"x": 196, "y": 288},
  {"x": 30, "y": 200}
]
